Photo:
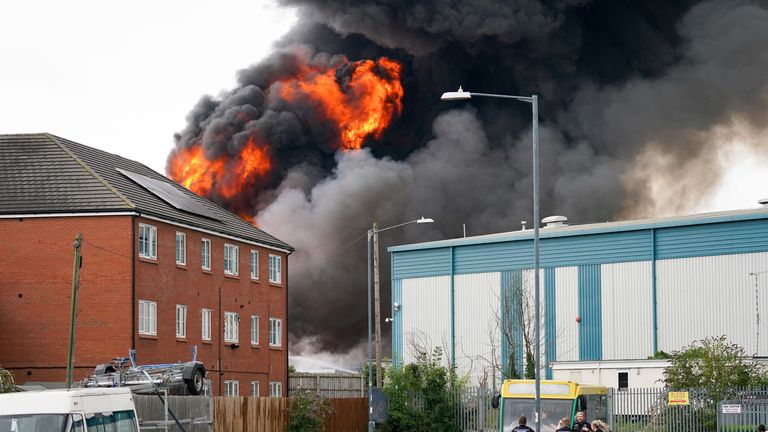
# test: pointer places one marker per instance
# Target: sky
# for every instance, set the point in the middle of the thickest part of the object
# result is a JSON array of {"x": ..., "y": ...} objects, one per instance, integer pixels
[{"x": 122, "y": 76}]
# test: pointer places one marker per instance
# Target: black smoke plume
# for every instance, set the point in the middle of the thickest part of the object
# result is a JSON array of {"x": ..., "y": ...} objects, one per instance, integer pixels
[{"x": 636, "y": 98}]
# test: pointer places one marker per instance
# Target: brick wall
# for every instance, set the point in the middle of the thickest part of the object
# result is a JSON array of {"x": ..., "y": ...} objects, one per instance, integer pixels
[
  {"x": 35, "y": 298},
  {"x": 170, "y": 284},
  {"x": 35, "y": 292}
]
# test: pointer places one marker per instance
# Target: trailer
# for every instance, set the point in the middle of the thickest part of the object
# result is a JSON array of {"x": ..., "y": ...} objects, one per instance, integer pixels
[{"x": 185, "y": 376}]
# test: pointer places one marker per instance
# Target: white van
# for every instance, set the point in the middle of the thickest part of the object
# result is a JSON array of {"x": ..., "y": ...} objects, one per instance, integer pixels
[{"x": 74, "y": 410}]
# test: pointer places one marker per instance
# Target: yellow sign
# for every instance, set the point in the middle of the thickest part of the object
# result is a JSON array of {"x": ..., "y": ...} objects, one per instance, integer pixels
[{"x": 678, "y": 398}]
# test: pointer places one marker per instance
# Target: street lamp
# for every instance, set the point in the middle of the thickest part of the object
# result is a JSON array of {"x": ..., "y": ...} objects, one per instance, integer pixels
[
  {"x": 534, "y": 101},
  {"x": 371, "y": 233}
]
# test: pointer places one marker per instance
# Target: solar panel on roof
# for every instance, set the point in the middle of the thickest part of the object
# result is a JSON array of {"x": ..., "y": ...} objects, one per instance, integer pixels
[{"x": 171, "y": 194}]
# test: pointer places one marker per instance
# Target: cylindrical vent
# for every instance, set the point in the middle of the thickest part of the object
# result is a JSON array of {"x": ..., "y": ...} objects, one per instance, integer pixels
[{"x": 554, "y": 221}]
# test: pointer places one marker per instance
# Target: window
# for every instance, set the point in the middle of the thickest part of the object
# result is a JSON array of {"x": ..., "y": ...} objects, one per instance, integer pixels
[
  {"x": 181, "y": 248},
  {"x": 147, "y": 317},
  {"x": 147, "y": 241},
  {"x": 254, "y": 388},
  {"x": 231, "y": 388},
  {"x": 122, "y": 421},
  {"x": 623, "y": 380},
  {"x": 206, "y": 252},
  {"x": 231, "y": 322},
  {"x": 275, "y": 268},
  {"x": 275, "y": 389},
  {"x": 181, "y": 321},
  {"x": 275, "y": 332},
  {"x": 254, "y": 330},
  {"x": 230, "y": 259},
  {"x": 254, "y": 264},
  {"x": 206, "y": 324}
]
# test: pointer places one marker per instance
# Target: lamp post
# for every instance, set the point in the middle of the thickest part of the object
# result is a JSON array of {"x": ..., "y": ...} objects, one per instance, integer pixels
[
  {"x": 371, "y": 233},
  {"x": 534, "y": 101}
]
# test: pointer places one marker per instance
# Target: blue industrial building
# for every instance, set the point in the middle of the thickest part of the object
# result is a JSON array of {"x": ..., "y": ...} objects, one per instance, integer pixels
[{"x": 609, "y": 291}]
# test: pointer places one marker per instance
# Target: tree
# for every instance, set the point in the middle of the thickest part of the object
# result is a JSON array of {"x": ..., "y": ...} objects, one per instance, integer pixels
[
  {"x": 308, "y": 412},
  {"x": 713, "y": 364},
  {"x": 420, "y": 395},
  {"x": 6, "y": 381},
  {"x": 513, "y": 323}
]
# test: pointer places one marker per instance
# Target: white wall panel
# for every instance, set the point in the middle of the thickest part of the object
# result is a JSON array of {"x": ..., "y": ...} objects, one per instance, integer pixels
[
  {"x": 567, "y": 308},
  {"x": 529, "y": 284},
  {"x": 627, "y": 310},
  {"x": 426, "y": 314},
  {"x": 478, "y": 340},
  {"x": 711, "y": 296}
]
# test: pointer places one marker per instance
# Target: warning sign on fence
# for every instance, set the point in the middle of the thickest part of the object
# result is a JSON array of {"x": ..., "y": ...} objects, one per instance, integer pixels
[
  {"x": 731, "y": 409},
  {"x": 678, "y": 398}
]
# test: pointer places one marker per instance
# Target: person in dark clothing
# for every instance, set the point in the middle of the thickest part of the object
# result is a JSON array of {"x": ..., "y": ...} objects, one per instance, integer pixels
[
  {"x": 522, "y": 426},
  {"x": 564, "y": 425},
  {"x": 581, "y": 424}
]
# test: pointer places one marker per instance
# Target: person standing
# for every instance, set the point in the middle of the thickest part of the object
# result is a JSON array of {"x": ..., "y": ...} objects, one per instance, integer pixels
[
  {"x": 522, "y": 426},
  {"x": 564, "y": 425},
  {"x": 581, "y": 424}
]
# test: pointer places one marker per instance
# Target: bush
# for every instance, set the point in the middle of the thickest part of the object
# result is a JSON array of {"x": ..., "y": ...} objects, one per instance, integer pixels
[
  {"x": 422, "y": 396},
  {"x": 308, "y": 412}
]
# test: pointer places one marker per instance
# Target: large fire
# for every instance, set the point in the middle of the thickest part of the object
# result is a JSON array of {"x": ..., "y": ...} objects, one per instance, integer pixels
[
  {"x": 227, "y": 175},
  {"x": 361, "y": 107},
  {"x": 358, "y": 99}
]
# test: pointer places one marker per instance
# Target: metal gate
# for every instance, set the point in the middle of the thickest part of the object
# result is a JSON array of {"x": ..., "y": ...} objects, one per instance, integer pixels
[
  {"x": 742, "y": 414},
  {"x": 648, "y": 409}
]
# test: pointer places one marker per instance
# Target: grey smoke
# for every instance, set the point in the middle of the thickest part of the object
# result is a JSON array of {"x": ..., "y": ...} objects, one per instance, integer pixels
[{"x": 634, "y": 98}]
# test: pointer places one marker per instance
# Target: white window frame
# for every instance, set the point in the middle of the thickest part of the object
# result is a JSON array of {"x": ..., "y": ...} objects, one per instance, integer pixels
[
  {"x": 254, "y": 329},
  {"x": 254, "y": 264},
  {"x": 181, "y": 248},
  {"x": 231, "y": 327},
  {"x": 231, "y": 388},
  {"x": 254, "y": 388},
  {"x": 231, "y": 258},
  {"x": 181, "y": 321},
  {"x": 275, "y": 332},
  {"x": 205, "y": 252},
  {"x": 147, "y": 317},
  {"x": 275, "y": 269},
  {"x": 205, "y": 315},
  {"x": 147, "y": 239},
  {"x": 275, "y": 389}
]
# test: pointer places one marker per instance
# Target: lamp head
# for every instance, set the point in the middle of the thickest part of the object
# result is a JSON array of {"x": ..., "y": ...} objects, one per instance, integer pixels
[
  {"x": 457, "y": 95},
  {"x": 424, "y": 220}
]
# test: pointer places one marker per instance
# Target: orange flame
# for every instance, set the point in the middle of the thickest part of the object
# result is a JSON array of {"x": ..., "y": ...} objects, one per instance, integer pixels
[
  {"x": 363, "y": 107},
  {"x": 229, "y": 175}
]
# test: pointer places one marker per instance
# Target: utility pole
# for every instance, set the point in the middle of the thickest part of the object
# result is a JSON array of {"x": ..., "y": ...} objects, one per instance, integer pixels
[
  {"x": 73, "y": 307},
  {"x": 377, "y": 302}
]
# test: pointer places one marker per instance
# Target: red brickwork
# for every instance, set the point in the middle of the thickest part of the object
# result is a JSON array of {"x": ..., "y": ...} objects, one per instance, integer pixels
[{"x": 35, "y": 297}]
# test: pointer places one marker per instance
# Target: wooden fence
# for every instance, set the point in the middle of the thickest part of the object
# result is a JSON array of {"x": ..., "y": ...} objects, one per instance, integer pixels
[
  {"x": 243, "y": 414},
  {"x": 336, "y": 385}
]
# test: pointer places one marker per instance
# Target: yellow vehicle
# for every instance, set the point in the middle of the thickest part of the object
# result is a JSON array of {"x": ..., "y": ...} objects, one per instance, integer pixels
[{"x": 558, "y": 399}]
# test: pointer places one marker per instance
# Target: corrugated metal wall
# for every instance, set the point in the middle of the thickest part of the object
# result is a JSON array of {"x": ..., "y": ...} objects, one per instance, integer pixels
[
  {"x": 627, "y": 310},
  {"x": 478, "y": 341},
  {"x": 590, "y": 312},
  {"x": 426, "y": 314},
  {"x": 567, "y": 297},
  {"x": 715, "y": 295}
]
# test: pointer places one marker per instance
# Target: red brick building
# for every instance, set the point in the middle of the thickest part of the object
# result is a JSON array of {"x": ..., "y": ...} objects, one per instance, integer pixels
[{"x": 163, "y": 270}]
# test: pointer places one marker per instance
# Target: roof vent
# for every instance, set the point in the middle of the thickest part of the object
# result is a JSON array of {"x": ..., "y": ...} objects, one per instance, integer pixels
[
  {"x": 763, "y": 202},
  {"x": 554, "y": 221}
]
